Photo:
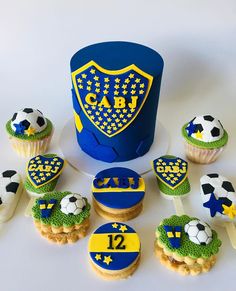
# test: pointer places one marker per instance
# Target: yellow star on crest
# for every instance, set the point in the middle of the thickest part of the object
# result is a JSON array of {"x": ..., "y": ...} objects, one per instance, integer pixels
[
  {"x": 97, "y": 90},
  {"x": 230, "y": 211},
  {"x": 88, "y": 88},
  {"x": 108, "y": 119},
  {"x": 127, "y": 81},
  {"x": 84, "y": 76},
  {"x": 124, "y": 92},
  {"x": 30, "y": 131},
  {"x": 137, "y": 80},
  {"x": 133, "y": 92},
  {"x": 89, "y": 82},
  {"x": 107, "y": 260},
  {"x": 131, "y": 76},
  {"x": 124, "y": 86},
  {"x": 79, "y": 80},
  {"x": 198, "y": 134},
  {"x": 115, "y": 225},
  {"x": 117, "y": 86},
  {"x": 105, "y": 91},
  {"x": 124, "y": 110},
  {"x": 141, "y": 91},
  {"x": 116, "y": 92},
  {"x": 117, "y": 80},
  {"x": 98, "y": 257},
  {"x": 106, "y": 86},
  {"x": 106, "y": 80},
  {"x": 142, "y": 85},
  {"x": 123, "y": 228},
  {"x": 97, "y": 84},
  {"x": 133, "y": 86},
  {"x": 80, "y": 86},
  {"x": 96, "y": 78},
  {"x": 92, "y": 71}
]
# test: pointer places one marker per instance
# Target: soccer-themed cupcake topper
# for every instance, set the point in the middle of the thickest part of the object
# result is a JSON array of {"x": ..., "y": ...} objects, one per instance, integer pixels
[
  {"x": 43, "y": 172},
  {"x": 219, "y": 199},
  {"x": 172, "y": 179}
]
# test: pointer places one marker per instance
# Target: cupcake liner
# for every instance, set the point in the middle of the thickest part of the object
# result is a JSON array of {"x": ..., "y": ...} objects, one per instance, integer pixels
[
  {"x": 28, "y": 148},
  {"x": 200, "y": 155}
]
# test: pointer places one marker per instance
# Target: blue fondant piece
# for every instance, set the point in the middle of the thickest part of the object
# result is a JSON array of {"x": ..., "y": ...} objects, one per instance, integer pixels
[
  {"x": 117, "y": 195},
  {"x": 214, "y": 205},
  {"x": 19, "y": 128},
  {"x": 119, "y": 260},
  {"x": 116, "y": 56},
  {"x": 89, "y": 137},
  {"x": 144, "y": 146},
  {"x": 174, "y": 240},
  {"x": 108, "y": 228}
]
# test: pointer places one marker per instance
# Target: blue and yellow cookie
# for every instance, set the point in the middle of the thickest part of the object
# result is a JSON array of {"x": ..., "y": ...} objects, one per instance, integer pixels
[
  {"x": 118, "y": 194},
  {"x": 43, "y": 172},
  {"x": 114, "y": 250}
]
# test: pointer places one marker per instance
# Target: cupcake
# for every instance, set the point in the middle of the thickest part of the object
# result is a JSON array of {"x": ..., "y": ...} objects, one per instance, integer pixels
[
  {"x": 61, "y": 217},
  {"x": 186, "y": 245},
  {"x": 43, "y": 172},
  {"x": 29, "y": 132},
  {"x": 205, "y": 138}
]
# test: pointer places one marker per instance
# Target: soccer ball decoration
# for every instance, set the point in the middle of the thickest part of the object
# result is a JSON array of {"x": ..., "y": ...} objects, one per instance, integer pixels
[
  {"x": 218, "y": 195},
  {"x": 9, "y": 183},
  {"x": 205, "y": 128},
  {"x": 28, "y": 119},
  {"x": 72, "y": 204},
  {"x": 198, "y": 232}
]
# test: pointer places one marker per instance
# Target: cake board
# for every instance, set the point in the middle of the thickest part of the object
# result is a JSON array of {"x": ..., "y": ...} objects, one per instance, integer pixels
[{"x": 89, "y": 166}]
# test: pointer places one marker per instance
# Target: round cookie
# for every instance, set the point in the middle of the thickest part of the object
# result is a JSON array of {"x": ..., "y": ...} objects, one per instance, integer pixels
[
  {"x": 186, "y": 245},
  {"x": 118, "y": 193},
  {"x": 61, "y": 217},
  {"x": 114, "y": 250},
  {"x": 29, "y": 132},
  {"x": 43, "y": 172}
]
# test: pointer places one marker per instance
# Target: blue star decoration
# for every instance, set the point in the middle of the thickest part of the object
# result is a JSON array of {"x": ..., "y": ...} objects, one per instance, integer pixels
[
  {"x": 191, "y": 128},
  {"x": 215, "y": 205},
  {"x": 174, "y": 235},
  {"x": 19, "y": 128}
]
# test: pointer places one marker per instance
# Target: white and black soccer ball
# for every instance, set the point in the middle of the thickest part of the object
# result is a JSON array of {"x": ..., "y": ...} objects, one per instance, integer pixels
[
  {"x": 72, "y": 204},
  {"x": 210, "y": 128},
  {"x": 9, "y": 184},
  {"x": 29, "y": 117},
  {"x": 198, "y": 232},
  {"x": 221, "y": 187}
]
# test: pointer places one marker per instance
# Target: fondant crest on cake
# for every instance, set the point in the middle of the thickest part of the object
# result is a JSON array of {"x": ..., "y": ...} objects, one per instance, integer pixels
[{"x": 111, "y": 99}]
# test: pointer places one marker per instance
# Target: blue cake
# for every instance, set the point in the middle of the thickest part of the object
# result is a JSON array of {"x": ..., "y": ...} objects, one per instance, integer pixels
[{"x": 115, "y": 98}]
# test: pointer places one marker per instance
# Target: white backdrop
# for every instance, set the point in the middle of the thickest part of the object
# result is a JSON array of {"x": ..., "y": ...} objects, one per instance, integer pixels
[{"x": 37, "y": 38}]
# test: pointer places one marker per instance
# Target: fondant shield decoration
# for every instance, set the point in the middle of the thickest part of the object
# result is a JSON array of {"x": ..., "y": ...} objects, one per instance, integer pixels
[
  {"x": 42, "y": 169},
  {"x": 172, "y": 171},
  {"x": 111, "y": 99}
]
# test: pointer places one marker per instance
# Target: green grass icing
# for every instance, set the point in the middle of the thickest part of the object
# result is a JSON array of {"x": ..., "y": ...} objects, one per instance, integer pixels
[
  {"x": 182, "y": 189},
  {"x": 58, "y": 218},
  {"x": 187, "y": 248},
  {"x": 45, "y": 188},
  {"x": 206, "y": 145},
  {"x": 37, "y": 136}
]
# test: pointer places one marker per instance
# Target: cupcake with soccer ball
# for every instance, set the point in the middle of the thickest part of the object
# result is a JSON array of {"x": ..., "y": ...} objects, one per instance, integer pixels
[
  {"x": 186, "y": 245},
  {"x": 205, "y": 139},
  {"x": 61, "y": 217},
  {"x": 29, "y": 132}
]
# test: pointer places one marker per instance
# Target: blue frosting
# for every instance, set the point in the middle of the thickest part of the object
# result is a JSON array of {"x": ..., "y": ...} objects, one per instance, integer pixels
[
  {"x": 126, "y": 192},
  {"x": 137, "y": 137},
  {"x": 108, "y": 228}
]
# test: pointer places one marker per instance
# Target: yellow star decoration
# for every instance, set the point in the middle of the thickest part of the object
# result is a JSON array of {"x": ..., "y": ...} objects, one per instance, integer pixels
[
  {"x": 106, "y": 80},
  {"x": 131, "y": 76},
  {"x": 30, "y": 131},
  {"x": 98, "y": 257},
  {"x": 92, "y": 71},
  {"x": 79, "y": 80},
  {"x": 96, "y": 78},
  {"x": 123, "y": 228},
  {"x": 107, "y": 260},
  {"x": 198, "y": 134},
  {"x": 229, "y": 210},
  {"x": 115, "y": 225},
  {"x": 84, "y": 76},
  {"x": 117, "y": 80}
]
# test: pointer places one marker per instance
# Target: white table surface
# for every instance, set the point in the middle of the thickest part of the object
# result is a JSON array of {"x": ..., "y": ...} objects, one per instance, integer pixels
[{"x": 198, "y": 44}]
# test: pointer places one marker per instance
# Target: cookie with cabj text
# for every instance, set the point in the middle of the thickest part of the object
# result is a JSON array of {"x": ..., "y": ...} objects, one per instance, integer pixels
[
  {"x": 118, "y": 194},
  {"x": 205, "y": 139},
  {"x": 186, "y": 245},
  {"x": 29, "y": 132},
  {"x": 114, "y": 251},
  {"x": 61, "y": 217},
  {"x": 43, "y": 172},
  {"x": 10, "y": 191}
]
